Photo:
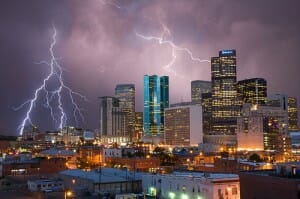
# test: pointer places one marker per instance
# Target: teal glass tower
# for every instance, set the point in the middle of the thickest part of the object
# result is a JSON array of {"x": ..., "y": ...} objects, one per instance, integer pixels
[{"x": 156, "y": 99}]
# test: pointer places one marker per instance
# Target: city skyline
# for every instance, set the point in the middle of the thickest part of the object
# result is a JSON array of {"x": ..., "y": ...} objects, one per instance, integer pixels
[{"x": 100, "y": 49}]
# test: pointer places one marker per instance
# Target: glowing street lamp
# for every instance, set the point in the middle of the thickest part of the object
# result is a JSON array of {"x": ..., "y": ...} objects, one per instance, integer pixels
[
  {"x": 68, "y": 194},
  {"x": 184, "y": 196},
  {"x": 152, "y": 191},
  {"x": 171, "y": 195}
]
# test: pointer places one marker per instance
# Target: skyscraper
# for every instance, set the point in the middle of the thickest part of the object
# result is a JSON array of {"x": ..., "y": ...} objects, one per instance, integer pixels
[
  {"x": 156, "y": 98},
  {"x": 138, "y": 126},
  {"x": 225, "y": 106},
  {"x": 125, "y": 93},
  {"x": 198, "y": 87},
  {"x": 263, "y": 128},
  {"x": 288, "y": 104},
  {"x": 113, "y": 121},
  {"x": 183, "y": 125},
  {"x": 253, "y": 91},
  {"x": 206, "y": 112},
  {"x": 292, "y": 114},
  {"x": 278, "y": 100}
]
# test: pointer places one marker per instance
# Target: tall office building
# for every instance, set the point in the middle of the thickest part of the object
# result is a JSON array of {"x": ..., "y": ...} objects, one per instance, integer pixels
[
  {"x": 125, "y": 93},
  {"x": 253, "y": 91},
  {"x": 225, "y": 106},
  {"x": 263, "y": 128},
  {"x": 288, "y": 104},
  {"x": 292, "y": 114},
  {"x": 113, "y": 121},
  {"x": 183, "y": 126},
  {"x": 138, "y": 126},
  {"x": 206, "y": 112},
  {"x": 198, "y": 87},
  {"x": 156, "y": 98},
  {"x": 278, "y": 100}
]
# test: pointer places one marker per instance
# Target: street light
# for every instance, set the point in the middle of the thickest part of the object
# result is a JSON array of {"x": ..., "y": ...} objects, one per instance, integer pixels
[
  {"x": 68, "y": 194},
  {"x": 184, "y": 196},
  {"x": 172, "y": 195}
]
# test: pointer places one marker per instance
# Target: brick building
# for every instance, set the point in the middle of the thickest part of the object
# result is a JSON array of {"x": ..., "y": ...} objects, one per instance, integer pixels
[
  {"x": 138, "y": 164},
  {"x": 264, "y": 185},
  {"x": 35, "y": 166}
]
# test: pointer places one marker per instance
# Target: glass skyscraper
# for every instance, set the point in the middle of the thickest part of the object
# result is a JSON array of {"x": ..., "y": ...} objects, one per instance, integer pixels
[
  {"x": 156, "y": 98},
  {"x": 225, "y": 106},
  {"x": 253, "y": 91}
]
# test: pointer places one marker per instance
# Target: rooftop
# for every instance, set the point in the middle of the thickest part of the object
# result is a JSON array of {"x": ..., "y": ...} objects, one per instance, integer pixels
[
  {"x": 57, "y": 152},
  {"x": 42, "y": 181},
  {"x": 106, "y": 175},
  {"x": 213, "y": 177}
]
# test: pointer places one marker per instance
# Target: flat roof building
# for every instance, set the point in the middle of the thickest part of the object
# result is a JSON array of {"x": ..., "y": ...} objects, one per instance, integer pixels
[
  {"x": 192, "y": 185},
  {"x": 183, "y": 125},
  {"x": 105, "y": 180}
]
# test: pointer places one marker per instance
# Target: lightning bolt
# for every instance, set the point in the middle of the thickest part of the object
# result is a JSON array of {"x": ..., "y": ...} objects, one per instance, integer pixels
[
  {"x": 55, "y": 74},
  {"x": 163, "y": 40}
]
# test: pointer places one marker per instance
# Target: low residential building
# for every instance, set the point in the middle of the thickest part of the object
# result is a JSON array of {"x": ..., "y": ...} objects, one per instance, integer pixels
[{"x": 192, "y": 185}]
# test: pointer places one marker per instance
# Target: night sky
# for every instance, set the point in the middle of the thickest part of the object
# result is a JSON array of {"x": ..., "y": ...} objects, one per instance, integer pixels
[{"x": 98, "y": 48}]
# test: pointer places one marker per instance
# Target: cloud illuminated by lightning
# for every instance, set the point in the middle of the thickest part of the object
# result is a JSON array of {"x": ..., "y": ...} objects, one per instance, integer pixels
[
  {"x": 55, "y": 74},
  {"x": 163, "y": 39},
  {"x": 110, "y": 2}
]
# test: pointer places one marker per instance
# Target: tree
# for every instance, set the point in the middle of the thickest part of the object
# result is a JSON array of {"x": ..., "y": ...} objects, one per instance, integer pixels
[{"x": 255, "y": 158}]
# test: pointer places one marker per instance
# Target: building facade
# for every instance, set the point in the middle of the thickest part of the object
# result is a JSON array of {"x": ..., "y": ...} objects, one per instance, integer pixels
[
  {"x": 192, "y": 185},
  {"x": 253, "y": 91},
  {"x": 206, "y": 112},
  {"x": 183, "y": 125},
  {"x": 106, "y": 180},
  {"x": 278, "y": 100},
  {"x": 138, "y": 126},
  {"x": 250, "y": 134},
  {"x": 156, "y": 99},
  {"x": 125, "y": 93},
  {"x": 292, "y": 114},
  {"x": 283, "y": 182},
  {"x": 113, "y": 121},
  {"x": 263, "y": 128},
  {"x": 197, "y": 88},
  {"x": 225, "y": 106}
]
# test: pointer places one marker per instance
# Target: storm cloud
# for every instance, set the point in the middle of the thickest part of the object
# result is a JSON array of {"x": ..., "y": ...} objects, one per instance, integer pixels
[{"x": 99, "y": 48}]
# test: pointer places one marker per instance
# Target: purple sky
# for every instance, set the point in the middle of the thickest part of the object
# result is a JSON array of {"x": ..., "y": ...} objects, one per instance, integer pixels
[{"x": 98, "y": 47}]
